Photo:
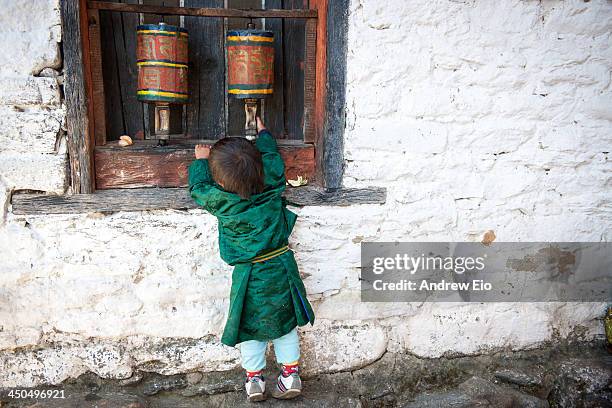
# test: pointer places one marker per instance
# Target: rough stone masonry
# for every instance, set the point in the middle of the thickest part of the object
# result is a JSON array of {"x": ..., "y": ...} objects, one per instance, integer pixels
[{"x": 476, "y": 116}]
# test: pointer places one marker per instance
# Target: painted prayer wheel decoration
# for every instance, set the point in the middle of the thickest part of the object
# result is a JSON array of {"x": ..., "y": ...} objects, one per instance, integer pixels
[
  {"x": 250, "y": 70},
  {"x": 161, "y": 53}
]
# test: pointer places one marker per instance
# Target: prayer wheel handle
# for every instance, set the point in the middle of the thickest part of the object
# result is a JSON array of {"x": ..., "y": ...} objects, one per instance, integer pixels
[
  {"x": 250, "y": 125},
  {"x": 250, "y": 109}
]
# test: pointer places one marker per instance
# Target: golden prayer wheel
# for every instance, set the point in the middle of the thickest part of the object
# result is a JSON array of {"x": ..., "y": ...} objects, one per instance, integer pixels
[
  {"x": 250, "y": 70},
  {"x": 162, "y": 58}
]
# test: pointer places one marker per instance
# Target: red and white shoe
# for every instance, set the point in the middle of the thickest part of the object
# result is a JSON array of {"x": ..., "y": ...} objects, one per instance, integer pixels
[
  {"x": 287, "y": 386},
  {"x": 255, "y": 387}
]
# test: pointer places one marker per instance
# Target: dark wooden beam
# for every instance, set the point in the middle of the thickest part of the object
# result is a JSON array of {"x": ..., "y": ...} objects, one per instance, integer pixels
[
  {"x": 294, "y": 44},
  {"x": 145, "y": 164},
  {"x": 335, "y": 117},
  {"x": 206, "y": 107},
  {"x": 104, "y": 201},
  {"x": 77, "y": 89},
  {"x": 201, "y": 11},
  {"x": 303, "y": 196},
  {"x": 175, "y": 198}
]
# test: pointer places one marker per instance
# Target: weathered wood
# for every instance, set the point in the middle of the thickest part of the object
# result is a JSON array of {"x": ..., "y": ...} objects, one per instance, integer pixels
[
  {"x": 156, "y": 18},
  {"x": 112, "y": 85},
  {"x": 104, "y": 201},
  {"x": 201, "y": 11},
  {"x": 303, "y": 196},
  {"x": 76, "y": 74},
  {"x": 141, "y": 167},
  {"x": 320, "y": 86},
  {"x": 145, "y": 164},
  {"x": 205, "y": 110},
  {"x": 175, "y": 198},
  {"x": 274, "y": 105},
  {"x": 294, "y": 43},
  {"x": 336, "y": 49},
  {"x": 97, "y": 78},
  {"x": 309, "y": 82}
]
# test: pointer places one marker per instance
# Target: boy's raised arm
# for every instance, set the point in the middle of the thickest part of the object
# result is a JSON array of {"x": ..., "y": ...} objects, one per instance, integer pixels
[
  {"x": 201, "y": 185},
  {"x": 200, "y": 182},
  {"x": 274, "y": 167}
]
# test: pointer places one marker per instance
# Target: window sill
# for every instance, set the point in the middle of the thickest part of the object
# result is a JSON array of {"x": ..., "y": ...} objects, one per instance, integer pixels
[
  {"x": 144, "y": 164},
  {"x": 141, "y": 199}
]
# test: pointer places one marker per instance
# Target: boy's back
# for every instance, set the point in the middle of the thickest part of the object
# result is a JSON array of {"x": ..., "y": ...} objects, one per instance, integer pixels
[
  {"x": 267, "y": 298},
  {"x": 247, "y": 227}
]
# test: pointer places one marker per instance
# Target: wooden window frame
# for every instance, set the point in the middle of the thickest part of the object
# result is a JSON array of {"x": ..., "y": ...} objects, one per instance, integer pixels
[
  {"x": 145, "y": 164},
  {"x": 324, "y": 121}
]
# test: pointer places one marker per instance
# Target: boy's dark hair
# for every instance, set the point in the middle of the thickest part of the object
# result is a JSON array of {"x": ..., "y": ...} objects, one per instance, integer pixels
[{"x": 236, "y": 165}]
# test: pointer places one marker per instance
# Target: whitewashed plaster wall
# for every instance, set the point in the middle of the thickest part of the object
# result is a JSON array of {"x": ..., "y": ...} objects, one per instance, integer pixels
[{"x": 476, "y": 116}]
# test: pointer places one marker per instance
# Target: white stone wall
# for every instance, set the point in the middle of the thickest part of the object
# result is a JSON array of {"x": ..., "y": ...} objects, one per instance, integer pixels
[
  {"x": 476, "y": 115},
  {"x": 32, "y": 150}
]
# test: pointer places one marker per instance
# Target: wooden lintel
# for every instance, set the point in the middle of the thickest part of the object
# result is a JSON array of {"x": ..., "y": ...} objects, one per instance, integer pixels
[
  {"x": 142, "y": 199},
  {"x": 201, "y": 11},
  {"x": 146, "y": 165}
]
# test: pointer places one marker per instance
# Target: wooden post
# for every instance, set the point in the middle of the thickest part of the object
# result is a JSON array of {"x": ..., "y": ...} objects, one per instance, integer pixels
[
  {"x": 335, "y": 94},
  {"x": 97, "y": 79},
  {"x": 77, "y": 89},
  {"x": 320, "y": 97},
  {"x": 310, "y": 70}
]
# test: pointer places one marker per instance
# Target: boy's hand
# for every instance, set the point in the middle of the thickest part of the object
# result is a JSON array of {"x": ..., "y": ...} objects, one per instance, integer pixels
[
  {"x": 202, "y": 151},
  {"x": 260, "y": 125}
]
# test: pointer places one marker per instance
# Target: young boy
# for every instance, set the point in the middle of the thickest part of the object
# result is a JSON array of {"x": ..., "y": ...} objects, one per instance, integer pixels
[{"x": 241, "y": 184}]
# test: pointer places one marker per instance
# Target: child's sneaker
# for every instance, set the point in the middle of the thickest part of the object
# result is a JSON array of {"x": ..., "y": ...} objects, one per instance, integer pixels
[
  {"x": 255, "y": 387},
  {"x": 288, "y": 384}
]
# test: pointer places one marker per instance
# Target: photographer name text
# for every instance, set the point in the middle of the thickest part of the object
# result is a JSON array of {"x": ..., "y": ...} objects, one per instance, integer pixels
[{"x": 424, "y": 285}]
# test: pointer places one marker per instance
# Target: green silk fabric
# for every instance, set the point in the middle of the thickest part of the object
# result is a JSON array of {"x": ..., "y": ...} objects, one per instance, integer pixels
[{"x": 267, "y": 299}]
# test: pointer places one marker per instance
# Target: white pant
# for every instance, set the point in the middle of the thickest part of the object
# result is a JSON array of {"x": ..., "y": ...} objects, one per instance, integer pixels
[{"x": 287, "y": 349}]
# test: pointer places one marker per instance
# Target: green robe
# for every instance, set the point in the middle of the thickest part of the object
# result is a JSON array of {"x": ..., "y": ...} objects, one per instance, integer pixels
[{"x": 267, "y": 299}]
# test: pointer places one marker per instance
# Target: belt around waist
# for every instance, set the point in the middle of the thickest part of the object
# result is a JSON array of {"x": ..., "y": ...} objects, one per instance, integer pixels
[{"x": 270, "y": 255}]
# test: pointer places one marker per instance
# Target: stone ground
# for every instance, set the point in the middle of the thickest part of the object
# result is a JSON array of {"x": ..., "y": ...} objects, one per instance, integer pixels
[{"x": 568, "y": 375}]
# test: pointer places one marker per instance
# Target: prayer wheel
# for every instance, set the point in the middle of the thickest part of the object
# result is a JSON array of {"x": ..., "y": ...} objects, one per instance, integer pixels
[
  {"x": 250, "y": 70},
  {"x": 162, "y": 59}
]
